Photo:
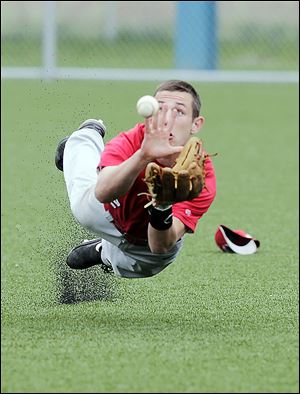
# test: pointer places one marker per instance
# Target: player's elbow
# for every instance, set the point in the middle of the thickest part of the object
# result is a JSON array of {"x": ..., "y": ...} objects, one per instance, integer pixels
[
  {"x": 105, "y": 189},
  {"x": 104, "y": 194},
  {"x": 161, "y": 247},
  {"x": 100, "y": 195},
  {"x": 160, "y": 250}
]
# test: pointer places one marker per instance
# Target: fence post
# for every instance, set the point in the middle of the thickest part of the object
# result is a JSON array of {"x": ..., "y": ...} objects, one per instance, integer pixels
[
  {"x": 49, "y": 39},
  {"x": 196, "y": 35}
]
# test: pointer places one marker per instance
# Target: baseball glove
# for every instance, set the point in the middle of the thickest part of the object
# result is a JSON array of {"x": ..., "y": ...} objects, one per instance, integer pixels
[{"x": 184, "y": 181}]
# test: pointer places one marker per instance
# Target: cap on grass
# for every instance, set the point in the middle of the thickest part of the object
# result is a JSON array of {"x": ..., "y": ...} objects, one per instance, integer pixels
[{"x": 235, "y": 241}]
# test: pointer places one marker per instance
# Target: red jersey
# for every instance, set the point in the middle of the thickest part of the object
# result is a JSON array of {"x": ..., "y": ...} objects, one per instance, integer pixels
[{"x": 128, "y": 211}]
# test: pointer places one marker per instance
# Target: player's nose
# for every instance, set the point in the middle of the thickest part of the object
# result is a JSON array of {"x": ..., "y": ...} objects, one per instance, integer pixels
[{"x": 168, "y": 116}]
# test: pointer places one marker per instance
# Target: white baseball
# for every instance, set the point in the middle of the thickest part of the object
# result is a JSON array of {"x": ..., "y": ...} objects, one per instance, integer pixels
[{"x": 147, "y": 106}]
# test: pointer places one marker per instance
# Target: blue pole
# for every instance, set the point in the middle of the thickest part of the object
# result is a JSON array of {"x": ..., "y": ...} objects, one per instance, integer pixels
[{"x": 196, "y": 35}]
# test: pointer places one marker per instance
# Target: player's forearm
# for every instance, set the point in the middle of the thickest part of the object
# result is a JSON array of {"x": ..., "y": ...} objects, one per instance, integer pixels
[
  {"x": 162, "y": 241},
  {"x": 115, "y": 181}
]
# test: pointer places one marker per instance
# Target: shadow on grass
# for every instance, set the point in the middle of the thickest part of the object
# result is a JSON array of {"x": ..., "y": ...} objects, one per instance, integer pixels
[{"x": 91, "y": 284}]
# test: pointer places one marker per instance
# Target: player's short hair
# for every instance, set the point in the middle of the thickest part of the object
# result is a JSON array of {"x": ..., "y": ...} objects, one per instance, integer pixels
[{"x": 182, "y": 86}]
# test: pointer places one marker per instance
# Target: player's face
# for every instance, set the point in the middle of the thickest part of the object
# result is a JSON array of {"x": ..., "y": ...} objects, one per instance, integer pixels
[{"x": 184, "y": 124}]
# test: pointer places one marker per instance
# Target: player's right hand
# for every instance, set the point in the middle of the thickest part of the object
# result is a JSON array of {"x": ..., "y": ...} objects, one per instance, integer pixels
[{"x": 158, "y": 129}]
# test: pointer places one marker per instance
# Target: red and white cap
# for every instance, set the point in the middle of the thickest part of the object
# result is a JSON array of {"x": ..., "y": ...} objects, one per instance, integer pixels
[{"x": 235, "y": 241}]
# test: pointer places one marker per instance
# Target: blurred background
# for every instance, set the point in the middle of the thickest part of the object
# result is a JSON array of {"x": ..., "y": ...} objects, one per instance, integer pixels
[{"x": 142, "y": 40}]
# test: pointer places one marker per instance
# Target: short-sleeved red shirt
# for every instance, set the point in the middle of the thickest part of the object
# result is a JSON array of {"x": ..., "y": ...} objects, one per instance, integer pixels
[{"x": 128, "y": 211}]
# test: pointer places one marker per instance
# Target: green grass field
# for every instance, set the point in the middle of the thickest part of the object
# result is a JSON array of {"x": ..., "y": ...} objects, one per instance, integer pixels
[{"x": 211, "y": 322}]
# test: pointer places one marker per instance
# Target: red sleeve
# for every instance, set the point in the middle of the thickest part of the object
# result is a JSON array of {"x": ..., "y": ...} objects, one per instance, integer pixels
[
  {"x": 122, "y": 146},
  {"x": 189, "y": 212}
]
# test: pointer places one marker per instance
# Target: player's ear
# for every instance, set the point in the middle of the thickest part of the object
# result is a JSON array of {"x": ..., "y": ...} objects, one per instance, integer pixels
[{"x": 197, "y": 124}]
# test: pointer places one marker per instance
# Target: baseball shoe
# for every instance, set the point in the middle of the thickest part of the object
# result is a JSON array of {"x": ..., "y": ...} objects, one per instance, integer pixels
[
  {"x": 94, "y": 124},
  {"x": 87, "y": 255}
]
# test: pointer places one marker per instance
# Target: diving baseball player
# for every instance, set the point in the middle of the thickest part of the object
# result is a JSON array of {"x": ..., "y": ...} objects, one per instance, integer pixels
[{"x": 108, "y": 194}]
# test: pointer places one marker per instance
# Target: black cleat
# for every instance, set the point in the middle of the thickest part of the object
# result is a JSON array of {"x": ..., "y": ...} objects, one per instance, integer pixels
[
  {"x": 87, "y": 255},
  {"x": 59, "y": 155},
  {"x": 94, "y": 124}
]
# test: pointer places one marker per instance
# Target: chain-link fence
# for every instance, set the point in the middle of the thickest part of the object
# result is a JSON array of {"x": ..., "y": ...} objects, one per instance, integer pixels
[{"x": 144, "y": 35}]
